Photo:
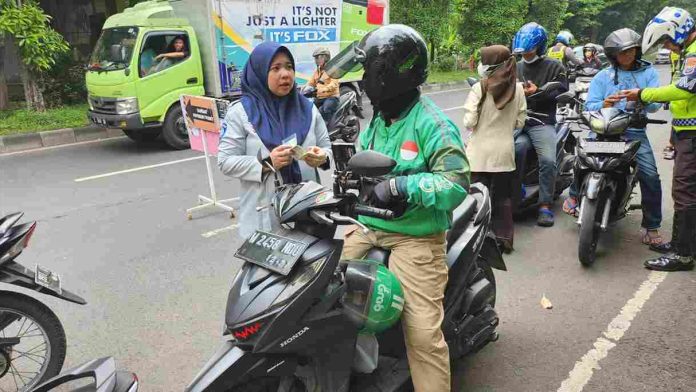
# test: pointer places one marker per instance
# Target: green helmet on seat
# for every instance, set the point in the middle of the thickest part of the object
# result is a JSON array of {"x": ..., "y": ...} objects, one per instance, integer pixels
[{"x": 374, "y": 298}]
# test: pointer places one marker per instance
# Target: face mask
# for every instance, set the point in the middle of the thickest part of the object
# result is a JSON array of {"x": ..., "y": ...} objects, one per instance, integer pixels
[
  {"x": 485, "y": 71},
  {"x": 536, "y": 57}
]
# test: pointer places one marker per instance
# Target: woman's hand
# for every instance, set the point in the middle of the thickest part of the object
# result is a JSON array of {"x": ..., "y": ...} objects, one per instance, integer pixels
[
  {"x": 281, "y": 156},
  {"x": 610, "y": 101},
  {"x": 315, "y": 156}
]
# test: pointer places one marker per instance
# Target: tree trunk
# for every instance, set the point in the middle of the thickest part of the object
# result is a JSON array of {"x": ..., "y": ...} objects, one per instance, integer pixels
[
  {"x": 4, "y": 97},
  {"x": 32, "y": 92}
]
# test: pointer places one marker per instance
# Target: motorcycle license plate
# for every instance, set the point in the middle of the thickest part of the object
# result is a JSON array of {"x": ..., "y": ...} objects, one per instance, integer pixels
[
  {"x": 605, "y": 147},
  {"x": 276, "y": 253},
  {"x": 48, "y": 279}
]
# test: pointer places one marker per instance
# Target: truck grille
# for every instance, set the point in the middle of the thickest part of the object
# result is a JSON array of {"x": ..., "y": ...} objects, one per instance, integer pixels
[{"x": 103, "y": 105}]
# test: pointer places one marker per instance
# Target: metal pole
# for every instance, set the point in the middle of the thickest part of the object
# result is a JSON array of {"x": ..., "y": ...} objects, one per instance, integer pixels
[{"x": 207, "y": 166}]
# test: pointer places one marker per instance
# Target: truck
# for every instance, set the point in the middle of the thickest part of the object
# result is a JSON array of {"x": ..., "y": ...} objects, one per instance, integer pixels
[{"x": 134, "y": 82}]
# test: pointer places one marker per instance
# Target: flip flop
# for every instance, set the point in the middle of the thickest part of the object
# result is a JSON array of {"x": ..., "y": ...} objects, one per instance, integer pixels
[{"x": 570, "y": 207}]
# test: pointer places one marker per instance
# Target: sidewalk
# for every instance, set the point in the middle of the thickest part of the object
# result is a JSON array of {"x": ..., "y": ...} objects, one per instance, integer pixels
[{"x": 31, "y": 141}]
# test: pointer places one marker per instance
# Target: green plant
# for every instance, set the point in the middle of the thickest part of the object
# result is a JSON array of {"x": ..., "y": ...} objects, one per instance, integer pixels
[
  {"x": 38, "y": 44},
  {"x": 23, "y": 120},
  {"x": 64, "y": 84}
]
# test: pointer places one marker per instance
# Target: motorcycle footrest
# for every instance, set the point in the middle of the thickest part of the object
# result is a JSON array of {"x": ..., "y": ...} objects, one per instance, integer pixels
[{"x": 474, "y": 332}]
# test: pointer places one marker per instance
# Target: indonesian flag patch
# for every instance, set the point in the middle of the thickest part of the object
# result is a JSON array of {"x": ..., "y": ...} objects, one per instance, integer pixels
[{"x": 409, "y": 150}]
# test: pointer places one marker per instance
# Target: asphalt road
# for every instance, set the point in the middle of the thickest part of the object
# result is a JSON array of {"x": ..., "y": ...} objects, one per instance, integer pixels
[{"x": 157, "y": 283}]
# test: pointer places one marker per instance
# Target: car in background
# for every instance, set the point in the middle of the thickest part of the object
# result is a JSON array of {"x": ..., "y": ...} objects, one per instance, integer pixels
[{"x": 663, "y": 56}]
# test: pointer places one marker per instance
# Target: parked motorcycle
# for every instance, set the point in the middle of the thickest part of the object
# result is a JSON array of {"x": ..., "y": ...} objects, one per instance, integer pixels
[
  {"x": 582, "y": 86},
  {"x": 33, "y": 345},
  {"x": 605, "y": 173},
  {"x": 345, "y": 122}
]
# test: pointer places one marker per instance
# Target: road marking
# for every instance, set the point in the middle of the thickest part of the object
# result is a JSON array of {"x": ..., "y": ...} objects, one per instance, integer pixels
[
  {"x": 136, "y": 169},
  {"x": 215, "y": 232},
  {"x": 454, "y": 108},
  {"x": 585, "y": 367},
  {"x": 42, "y": 149},
  {"x": 448, "y": 91}
]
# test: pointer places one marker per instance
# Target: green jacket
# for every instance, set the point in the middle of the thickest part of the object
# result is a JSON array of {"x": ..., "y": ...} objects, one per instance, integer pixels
[
  {"x": 428, "y": 149},
  {"x": 681, "y": 93}
]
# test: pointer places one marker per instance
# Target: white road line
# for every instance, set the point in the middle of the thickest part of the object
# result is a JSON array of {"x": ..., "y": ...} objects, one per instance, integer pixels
[
  {"x": 448, "y": 91},
  {"x": 43, "y": 149},
  {"x": 454, "y": 108},
  {"x": 585, "y": 367},
  {"x": 218, "y": 231},
  {"x": 135, "y": 169}
]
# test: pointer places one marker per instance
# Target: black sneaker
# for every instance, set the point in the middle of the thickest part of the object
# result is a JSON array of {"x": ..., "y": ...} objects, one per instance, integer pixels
[
  {"x": 670, "y": 263},
  {"x": 664, "y": 248}
]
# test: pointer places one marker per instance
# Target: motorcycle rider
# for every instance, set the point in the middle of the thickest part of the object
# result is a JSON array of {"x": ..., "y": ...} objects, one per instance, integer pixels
[
  {"x": 674, "y": 29},
  {"x": 328, "y": 89},
  {"x": 535, "y": 70},
  {"x": 562, "y": 51},
  {"x": 431, "y": 179},
  {"x": 627, "y": 71},
  {"x": 590, "y": 59}
]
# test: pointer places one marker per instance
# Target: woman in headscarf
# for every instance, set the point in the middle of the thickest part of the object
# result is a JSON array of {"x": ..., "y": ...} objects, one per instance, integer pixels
[
  {"x": 260, "y": 130},
  {"x": 493, "y": 109}
]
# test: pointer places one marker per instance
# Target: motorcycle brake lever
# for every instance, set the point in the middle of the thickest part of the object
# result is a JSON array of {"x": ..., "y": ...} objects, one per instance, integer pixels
[{"x": 340, "y": 218}]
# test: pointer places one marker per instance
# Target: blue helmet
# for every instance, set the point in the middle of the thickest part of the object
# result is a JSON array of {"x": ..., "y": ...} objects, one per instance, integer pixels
[
  {"x": 565, "y": 37},
  {"x": 531, "y": 36}
]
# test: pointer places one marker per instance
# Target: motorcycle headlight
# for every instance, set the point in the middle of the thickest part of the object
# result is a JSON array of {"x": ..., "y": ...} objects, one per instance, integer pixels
[{"x": 126, "y": 105}]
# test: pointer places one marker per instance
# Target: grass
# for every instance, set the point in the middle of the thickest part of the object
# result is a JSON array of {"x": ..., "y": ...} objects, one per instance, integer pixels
[
  {"x": 19, "y": 120},
  {"x": 449, "y": 76}
]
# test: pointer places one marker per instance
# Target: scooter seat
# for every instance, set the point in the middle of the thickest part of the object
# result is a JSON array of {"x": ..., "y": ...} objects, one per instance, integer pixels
[
  {"x": 379, "y": 254},
  {"x": 461, "y": 217}
]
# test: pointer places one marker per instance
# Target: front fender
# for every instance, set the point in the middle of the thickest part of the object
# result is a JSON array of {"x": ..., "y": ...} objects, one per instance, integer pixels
[
  {"x": 594, "y": 183},
  {"x": 231, "y": 366}
]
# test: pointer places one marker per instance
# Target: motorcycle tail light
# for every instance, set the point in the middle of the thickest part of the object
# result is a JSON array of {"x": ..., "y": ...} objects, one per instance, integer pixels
[{"x": 246, "y": 332}]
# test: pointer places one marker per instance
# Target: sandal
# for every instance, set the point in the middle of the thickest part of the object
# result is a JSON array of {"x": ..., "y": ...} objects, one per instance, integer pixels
[
  {"x": 669, "y": 153},
  {"x": 570, "y": 206},
  {"x": 652, "y": 240}
]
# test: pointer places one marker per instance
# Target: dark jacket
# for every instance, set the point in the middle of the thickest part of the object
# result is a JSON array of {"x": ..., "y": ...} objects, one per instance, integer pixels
[{"x": 541, "y": 72}]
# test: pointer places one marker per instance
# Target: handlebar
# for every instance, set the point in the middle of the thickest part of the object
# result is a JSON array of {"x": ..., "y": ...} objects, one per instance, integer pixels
[
  {"x": 652, "y": 121},
  {"x": 535, "y": 114},
  {"x": 361, "y": 209}
]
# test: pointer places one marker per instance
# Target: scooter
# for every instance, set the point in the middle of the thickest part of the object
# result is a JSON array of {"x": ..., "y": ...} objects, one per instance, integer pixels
[
  {"x": 32, "y": 342},
  {"x": 582, "y": 86},
  {"x": 605, "y": 173},
  {"x": 345, "y": 123}
]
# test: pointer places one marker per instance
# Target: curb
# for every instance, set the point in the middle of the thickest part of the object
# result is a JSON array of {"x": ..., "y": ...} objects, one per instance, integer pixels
[{"x": 59, "y": 137}]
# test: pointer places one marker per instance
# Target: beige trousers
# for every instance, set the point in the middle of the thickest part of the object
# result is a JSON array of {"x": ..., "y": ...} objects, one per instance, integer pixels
[{"x": 420, "y": 265}]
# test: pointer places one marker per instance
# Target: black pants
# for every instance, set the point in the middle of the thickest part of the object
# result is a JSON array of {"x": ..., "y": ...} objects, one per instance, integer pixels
[
  {"x": 500, "y": 186},
  {"x": 684, "y": 193}
]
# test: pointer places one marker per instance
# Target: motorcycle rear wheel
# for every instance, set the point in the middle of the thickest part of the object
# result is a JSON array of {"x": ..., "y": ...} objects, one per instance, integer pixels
[
  {"x": 41, "y": 342},
  {"x": 589, "y": 230}
]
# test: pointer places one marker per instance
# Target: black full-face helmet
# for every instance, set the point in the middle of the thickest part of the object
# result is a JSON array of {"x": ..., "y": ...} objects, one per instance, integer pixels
[
  {"x": 621, "y": 40},
  {"x": 394, "y": 57}
]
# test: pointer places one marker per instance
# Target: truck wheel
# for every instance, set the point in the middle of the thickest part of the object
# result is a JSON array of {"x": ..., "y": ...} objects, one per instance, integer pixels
[
  {"x": 174, "y": 129},
  {"x": 143, "y": 135}
]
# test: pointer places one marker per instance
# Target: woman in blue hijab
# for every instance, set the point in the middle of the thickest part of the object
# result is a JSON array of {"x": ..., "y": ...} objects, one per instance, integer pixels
[{"x": 260, "y": 130}]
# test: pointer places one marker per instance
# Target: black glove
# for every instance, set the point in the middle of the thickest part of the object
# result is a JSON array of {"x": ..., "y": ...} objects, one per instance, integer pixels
[{"x": 388, "y": 192}]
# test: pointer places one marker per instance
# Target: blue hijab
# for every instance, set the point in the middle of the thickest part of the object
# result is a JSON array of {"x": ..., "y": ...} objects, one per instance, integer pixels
[{"x": 274, "y": 118}]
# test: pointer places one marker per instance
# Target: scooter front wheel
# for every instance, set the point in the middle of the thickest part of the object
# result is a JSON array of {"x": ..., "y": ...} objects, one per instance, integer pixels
[{"x": 589, "y": 231}]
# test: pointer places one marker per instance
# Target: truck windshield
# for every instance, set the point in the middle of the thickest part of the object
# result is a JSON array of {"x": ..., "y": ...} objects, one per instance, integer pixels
[{"x": 114, "y": 49}]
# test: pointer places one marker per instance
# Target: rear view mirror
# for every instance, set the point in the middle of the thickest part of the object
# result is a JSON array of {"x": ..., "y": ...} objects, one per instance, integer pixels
[
  {"x": 371, "y": 164},
  {"x": 472, "y": 81},
  {"x": 566, "y": 98},
  {"x": 116, "y": 53}
]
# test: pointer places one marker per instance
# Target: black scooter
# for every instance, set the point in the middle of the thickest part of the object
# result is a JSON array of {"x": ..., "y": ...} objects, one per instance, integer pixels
[
  {"x": 286, "y": 326},
  {"x": 32, "y": 339},
  {"x": 605, "y": 174},
  {"x": 344, "y": 125}
]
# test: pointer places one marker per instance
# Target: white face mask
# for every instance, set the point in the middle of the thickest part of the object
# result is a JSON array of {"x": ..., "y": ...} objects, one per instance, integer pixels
[
  {"x": 536, "y": 57},
  {"x": 485, "y": 71}
]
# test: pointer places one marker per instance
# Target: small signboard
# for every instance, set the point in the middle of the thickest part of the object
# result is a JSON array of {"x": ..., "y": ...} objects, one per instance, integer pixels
[{"x": 201, "y": 113}]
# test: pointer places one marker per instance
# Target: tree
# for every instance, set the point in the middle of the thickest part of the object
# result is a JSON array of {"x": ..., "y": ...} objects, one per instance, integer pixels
[
  {"x": 582, "y": 18},
  {"x": 425, "y": 16},
  {"x": 494, "y": 22},
  {"x": 28, "y": 27},
  {"x": 550, "y": 14}
]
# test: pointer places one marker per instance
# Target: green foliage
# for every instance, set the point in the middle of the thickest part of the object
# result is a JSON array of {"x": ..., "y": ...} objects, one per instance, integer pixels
[
  {"x": 485, "y": 21},
  {"x": 23, "y": 120},
  {"x": 451, "y": 76},
  {"x": 64, "y": 83},
  {"x": 425, "y": 16},
  {"x": 550, "y": 14},
  {"x": 38, "y": 43}
]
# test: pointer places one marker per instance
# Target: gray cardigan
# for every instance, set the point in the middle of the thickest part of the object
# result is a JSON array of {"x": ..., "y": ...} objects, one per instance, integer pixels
[{"x": 238, "y": 157}]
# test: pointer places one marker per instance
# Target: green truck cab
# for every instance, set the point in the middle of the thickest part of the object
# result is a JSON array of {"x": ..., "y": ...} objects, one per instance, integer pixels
[{"x": 150, "y": 54}]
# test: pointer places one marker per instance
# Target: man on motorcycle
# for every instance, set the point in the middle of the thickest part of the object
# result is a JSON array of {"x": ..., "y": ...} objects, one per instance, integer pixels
[
  {"x": 674, "y": 29},
  {"x": 430, "y": 180},
  {"x": 562, "y": 51},
  {"x": 535, "y": 70},
  {"x": 327, "y": 88},
  {"x": 590, "y": 59},
  {"x": 628, "y": 71}
]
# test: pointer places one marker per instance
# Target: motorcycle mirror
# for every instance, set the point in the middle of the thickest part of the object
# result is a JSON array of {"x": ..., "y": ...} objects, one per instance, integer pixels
[
  {"x": 472, "y": 81},
  {"x": 566, "y": 98},
  {"x": 550, "y": 86},
  {"x": 371, "y": 164}
]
